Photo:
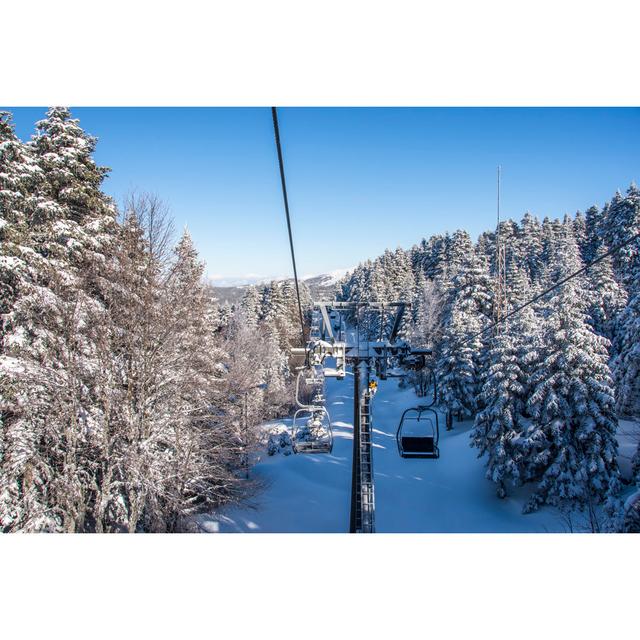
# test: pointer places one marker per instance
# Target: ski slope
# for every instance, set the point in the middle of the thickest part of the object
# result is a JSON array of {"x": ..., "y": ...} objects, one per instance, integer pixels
[{"x": 311, "y": 493}]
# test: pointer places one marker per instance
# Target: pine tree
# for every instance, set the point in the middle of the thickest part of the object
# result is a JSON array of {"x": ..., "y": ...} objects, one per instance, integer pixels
[
  {"x": 458, "y": 248},
  {"x": 622, "y": 222},
  {"x": 499, "y": 425},
  {"x": 461, "y": 347},
  {"x": 457, "y": 365},
  {"x": 552, "y": 234},
  {"x": 511, "y": 359},
  {"x": 531, "y": 245},
  {"x": 19, "y": 179},
  {"x": 65, "y": 154},
  {"x": 194, "y": 435},
  {"x": 427, "y": 323},
  {"x": 570, "y": 446},
  {"x": 593, "y": 239},
  {"x": 627, "y": 360},
  {"x": 49, "y": 336},
  {"x": 606, "y": 297},
  {"x": 579, "y": 227}
]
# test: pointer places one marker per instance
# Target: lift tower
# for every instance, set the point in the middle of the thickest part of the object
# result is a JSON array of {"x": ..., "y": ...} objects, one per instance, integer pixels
[
  {"x": 362, "y": 354},
  {"x": 500, "y": 289}
]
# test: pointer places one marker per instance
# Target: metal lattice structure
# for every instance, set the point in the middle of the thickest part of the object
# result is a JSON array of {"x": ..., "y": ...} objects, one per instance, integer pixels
[
  {"x": 500, "y": 287},
  {"x": 327, "y": 354},
  {"x": 365, "y": 498}
]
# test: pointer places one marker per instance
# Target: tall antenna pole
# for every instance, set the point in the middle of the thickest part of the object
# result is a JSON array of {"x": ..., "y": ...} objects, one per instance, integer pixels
[
  {"x": 500, "y": 293},
  {"x": 499, "y": 172}
]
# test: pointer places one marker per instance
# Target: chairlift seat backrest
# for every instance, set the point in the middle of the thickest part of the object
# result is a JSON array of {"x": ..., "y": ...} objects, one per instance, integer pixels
[
  {"x": 418, "y": 444},
  {"x": 311, "y": 430}
]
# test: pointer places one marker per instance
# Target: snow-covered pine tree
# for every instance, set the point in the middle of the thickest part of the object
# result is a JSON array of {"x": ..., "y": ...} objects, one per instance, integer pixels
[
  {"x": 531, "y": 246},
  {"x": 509, "y": 233},
  {"x": 552, "y": 235},
  {"x": 622, "y": 221},
  {"x": 427, "y": 324},
  {"x": 18, "y": 174},
  {"x": 570, "y": 447},
  {"x": 593, "y": 233},
  {"x": 197, "y": 448},
  {"x": 511, "y": 357},
  {"x": 457, "y": 364},
  {"x": 460, "y": 349},
  {"x": 50, "y": 425},
  {"x": 627, "y": 361},
  {"x": 606, "y": 297},
  {"x": 289, "y": 322},
  {"x": 579, "y": 227},
  {"x": 434, "y": 262},
  {"x": 224, "y": 315},
  {"x": 486, "y": 245},
  {"x": 457, "y": 251},
  {"x": 400, "y": 278},
  {"x": 250, "y": 306},
  {"x": 499, "y": 425},
  {"x": 65, "y": 154}
]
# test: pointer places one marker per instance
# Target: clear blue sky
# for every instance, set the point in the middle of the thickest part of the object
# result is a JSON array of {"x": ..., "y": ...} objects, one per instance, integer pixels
[{"x": 360, "y": 179}]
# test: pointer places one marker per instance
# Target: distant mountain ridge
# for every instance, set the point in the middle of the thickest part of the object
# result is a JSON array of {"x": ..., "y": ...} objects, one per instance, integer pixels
[{"x": 322, "y": 287}]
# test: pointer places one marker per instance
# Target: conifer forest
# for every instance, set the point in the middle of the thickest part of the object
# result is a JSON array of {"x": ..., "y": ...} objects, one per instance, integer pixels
[{"x": 134, "y": 399}]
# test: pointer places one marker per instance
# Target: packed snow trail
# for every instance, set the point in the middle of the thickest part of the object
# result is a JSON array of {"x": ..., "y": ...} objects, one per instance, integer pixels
[
  {"x": 301, "y": 493},
  {"x": 311, "y": 493},
  {"x": 445, "y": 495}
]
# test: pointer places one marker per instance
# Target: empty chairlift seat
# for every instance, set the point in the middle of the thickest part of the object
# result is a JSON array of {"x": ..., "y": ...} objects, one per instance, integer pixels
[{"x": 418, "y": 433}]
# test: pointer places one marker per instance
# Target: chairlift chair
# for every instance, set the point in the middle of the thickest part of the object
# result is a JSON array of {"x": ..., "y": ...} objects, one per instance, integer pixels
[
  {"x": 311, "y": 431},
  {"x": 424, "y": 443}
]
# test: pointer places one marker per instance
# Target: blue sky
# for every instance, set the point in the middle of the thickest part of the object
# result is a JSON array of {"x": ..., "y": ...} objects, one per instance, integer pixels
[{"x": 360, "y": 179}]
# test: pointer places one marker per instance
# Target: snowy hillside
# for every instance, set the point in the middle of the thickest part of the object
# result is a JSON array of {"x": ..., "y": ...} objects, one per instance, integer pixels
[
  {"x": 131, "y": 394},
  {"x": 311, "y": 493},
  {"x": 321, "y": 287}
]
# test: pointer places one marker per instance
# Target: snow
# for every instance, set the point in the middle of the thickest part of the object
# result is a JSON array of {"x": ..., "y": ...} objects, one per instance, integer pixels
[
  {"x": 330, "y": 277},
  {"x": 628, "y": 438},
  {"x": 311, "y": 493}
]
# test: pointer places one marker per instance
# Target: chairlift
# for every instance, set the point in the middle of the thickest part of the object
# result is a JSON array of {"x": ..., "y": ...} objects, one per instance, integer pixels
[
  {"x": 311, "y": 431},
  {"x": 418, "y": 433}
]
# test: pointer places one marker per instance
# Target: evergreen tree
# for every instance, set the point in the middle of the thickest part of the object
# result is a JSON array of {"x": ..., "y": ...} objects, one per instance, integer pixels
[
  {"x": 458, "y": 248},
  {"x": 622, "y": 221},
  {"x": 457, "y": 364},
  {"x": 499, "y": 425},
  {"x": 250, "y": 306},
  {"x": 511, "y": 359},
  {"x": 570, "y": 446},
  {"x": 49, "y": 390},
  {"x": 552, "y": 234},
  {"x": 531, "y": 245},
  {"x": 627, "y": 360},
  {"x": 64, "y": 153},
  {"x": 461, "y": 347},
  {"x": 593, "y": 239},
  {"x": 606, "y": 297},
  {"x": 579, "y": 228},
  {"x": 20, "y": 178}
]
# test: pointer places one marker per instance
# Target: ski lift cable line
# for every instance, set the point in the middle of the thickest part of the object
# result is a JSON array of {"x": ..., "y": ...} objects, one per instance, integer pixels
[
  {"x": 615, "y": 249},
  {"x": 276, "y": 130}
]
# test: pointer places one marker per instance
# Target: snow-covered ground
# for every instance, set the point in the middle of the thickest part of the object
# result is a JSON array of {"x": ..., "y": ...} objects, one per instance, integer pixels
[{"x": 310, "y": 493}]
